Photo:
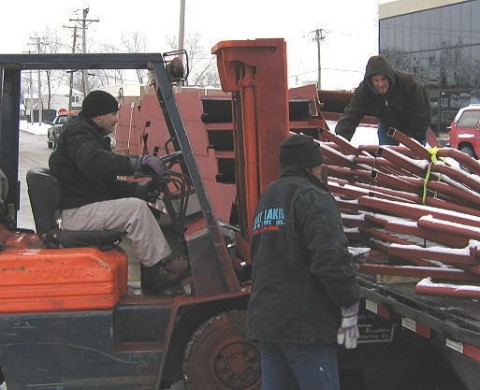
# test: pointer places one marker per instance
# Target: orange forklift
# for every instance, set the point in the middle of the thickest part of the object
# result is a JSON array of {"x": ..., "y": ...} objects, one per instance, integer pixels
[{"x": 70, "y": 319}]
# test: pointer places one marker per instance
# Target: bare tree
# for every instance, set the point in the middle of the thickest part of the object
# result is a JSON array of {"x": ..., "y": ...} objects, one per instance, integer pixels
[
  {"x": 136, "y": 43},
  {"x": 50, "y": 41},
  {"x": 54, "y": 78},
  {"x": 208, "y": 76},
  {"x": 105, "y": 77}
]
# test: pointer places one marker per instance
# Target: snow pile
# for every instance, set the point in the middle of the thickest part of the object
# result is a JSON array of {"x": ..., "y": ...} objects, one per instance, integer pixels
[{"x": 34, "y": 128}]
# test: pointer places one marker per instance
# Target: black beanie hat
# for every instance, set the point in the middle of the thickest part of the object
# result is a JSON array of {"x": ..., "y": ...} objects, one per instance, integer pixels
[
  {"x": 300, "y": 151},
  {"x": 98, "y": 103}
]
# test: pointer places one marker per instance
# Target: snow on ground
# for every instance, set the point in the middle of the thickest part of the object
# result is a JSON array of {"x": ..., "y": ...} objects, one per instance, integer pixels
[
  {"x": 34, "y": 128},
  {"x": 364, "y": 135}
]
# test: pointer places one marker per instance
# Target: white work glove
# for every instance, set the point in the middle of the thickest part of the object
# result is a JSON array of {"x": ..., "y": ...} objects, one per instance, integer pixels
[{"x": 347, "y": 334}]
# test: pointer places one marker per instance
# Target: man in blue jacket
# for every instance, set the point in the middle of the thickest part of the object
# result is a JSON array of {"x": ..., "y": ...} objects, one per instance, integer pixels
[
  {"x": 305, "y": 292},
  {"x": 94, "y": 199},
  {"x": 395, "y": 98}
]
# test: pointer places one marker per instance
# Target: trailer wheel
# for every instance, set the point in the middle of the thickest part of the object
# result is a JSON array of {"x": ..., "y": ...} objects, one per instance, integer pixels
[{"x": 219, "y": 356}]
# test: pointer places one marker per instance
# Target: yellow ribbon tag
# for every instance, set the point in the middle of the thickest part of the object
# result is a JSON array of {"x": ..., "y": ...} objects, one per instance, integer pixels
[{"x": 433, "y": 160}]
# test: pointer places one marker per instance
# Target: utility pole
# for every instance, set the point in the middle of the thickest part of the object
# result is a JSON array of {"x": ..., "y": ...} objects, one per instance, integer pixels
[
  {"x": 30, "y": 87},
  {"x": 84, "y": 23},
  {"x": 71, "y": 71},
  {"x": 30, "y": 94},
  {"x": 38, "y": 44},
  {"x": 181, "y": 32},
  {"x": 318, "y": 37}
]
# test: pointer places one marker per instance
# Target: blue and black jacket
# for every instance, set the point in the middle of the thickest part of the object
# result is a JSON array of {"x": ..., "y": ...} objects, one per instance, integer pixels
[{"x": 302, "y": 270}]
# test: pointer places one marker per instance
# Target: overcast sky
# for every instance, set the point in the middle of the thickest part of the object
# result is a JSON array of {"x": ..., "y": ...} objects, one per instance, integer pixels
[{"x": 350, "y": 28}]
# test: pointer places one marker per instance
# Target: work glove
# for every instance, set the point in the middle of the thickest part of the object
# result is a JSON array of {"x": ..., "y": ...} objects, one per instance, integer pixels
[
  {"x": 148, "y": 164},
  {"x": 347, "y": 334}
]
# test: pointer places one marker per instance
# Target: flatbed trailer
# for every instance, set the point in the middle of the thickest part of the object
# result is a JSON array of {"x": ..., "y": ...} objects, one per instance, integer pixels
[{"x": 445, "y": 331}]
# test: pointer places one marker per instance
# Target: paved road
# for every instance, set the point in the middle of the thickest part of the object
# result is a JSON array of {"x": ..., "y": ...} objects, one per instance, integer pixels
[{"x": 33, "y": 153}]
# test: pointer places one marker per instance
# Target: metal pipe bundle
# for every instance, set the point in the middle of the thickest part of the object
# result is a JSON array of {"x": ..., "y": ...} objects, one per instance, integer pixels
[{"x": 418, "y": 209}]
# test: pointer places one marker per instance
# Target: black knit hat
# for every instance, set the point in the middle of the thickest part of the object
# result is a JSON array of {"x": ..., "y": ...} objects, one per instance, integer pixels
[
  {"x": 98, "y": 103},
  {"x": 300, "y": 151}
]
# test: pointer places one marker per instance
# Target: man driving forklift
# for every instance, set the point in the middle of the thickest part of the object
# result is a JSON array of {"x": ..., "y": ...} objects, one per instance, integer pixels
[{"x": 93, "y": 198}]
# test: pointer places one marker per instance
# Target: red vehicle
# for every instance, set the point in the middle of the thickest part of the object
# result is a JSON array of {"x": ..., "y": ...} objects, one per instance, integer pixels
[{"x": 464, "y": 133}]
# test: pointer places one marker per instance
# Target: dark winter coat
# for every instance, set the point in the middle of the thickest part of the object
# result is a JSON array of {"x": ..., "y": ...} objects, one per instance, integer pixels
[
  {"x": 405, "y": 107},
  {"x": 86, "y": 167},
  {"x": 302, "y": 270}
]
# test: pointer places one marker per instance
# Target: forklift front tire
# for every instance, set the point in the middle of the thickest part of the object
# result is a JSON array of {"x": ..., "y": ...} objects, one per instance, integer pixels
[{"x": 219, "y": 356}]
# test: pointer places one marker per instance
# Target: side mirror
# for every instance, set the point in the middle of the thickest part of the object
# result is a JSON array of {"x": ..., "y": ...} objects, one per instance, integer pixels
[{"x": 176, "y": 67}]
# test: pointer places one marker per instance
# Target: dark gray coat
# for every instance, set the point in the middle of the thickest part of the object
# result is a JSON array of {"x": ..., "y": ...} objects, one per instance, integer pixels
[
  {"x": 86, "y": 167},
  {"x": 302, "y": 270},
  {"x": 406, "y": 106}
]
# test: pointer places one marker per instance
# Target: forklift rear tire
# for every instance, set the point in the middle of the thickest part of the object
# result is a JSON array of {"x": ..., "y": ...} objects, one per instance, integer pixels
[{"x": 219, "y": 356}]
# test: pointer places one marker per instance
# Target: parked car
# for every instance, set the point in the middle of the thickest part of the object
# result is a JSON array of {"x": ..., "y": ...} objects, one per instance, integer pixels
[
  {"x": 55, "y": 130},
  {"x": 464, "y": 134}
]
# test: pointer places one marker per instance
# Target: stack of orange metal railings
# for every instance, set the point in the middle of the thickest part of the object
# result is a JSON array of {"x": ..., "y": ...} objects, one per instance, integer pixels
[{"x": 416, "y": 208}]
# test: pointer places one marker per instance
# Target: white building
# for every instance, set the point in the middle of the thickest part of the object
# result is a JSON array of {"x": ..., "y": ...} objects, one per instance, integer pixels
[{"x": 59, "y": 98}]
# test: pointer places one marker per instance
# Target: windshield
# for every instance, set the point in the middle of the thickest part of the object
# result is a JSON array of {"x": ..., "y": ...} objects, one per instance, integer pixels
[{"x": 469, "y": 119}]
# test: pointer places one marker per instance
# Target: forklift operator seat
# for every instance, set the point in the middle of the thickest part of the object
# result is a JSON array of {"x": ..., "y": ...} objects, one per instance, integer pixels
[{"x": 45, "y": 195}]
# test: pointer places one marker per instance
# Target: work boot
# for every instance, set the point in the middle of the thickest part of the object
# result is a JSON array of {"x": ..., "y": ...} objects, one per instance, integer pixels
[{"x": 165, "y": 273}]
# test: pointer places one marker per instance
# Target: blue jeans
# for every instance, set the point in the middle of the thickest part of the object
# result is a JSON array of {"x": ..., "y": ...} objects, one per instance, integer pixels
[
  {"x": 383, "y": 138},
  {"x": 299, "y": 367}
]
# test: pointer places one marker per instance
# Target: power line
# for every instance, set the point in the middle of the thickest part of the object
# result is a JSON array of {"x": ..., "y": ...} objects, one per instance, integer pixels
[{"x": 330, "y": 69}]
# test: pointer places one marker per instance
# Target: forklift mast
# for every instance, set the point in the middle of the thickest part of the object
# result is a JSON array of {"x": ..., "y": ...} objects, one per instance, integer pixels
[{"x": 255, "y": 72}]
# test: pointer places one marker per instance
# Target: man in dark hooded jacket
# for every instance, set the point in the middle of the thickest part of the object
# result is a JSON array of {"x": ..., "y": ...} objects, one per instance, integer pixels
[
  {"x": 305, "y": 292},
  {"x": 396, "y": 98},
  {"x": 93, "y": 198}
]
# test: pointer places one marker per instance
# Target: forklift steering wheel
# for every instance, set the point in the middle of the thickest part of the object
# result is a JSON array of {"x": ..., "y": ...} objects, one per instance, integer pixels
[{"x": 171, "y": 158}]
